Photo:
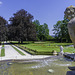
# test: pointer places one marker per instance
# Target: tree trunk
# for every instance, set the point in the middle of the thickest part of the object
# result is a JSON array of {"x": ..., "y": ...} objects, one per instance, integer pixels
[
  {"x": 0, "y": 42},
  {"x": 21, "y": 41},
  {"x": 18, "y": 41}
]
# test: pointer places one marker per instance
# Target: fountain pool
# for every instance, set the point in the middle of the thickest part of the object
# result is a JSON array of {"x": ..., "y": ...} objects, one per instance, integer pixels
[{"x": 59, "y": 66}]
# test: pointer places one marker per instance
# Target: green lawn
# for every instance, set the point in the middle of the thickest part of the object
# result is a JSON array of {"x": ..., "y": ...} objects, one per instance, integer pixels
[
  {"x": 48, "y": 47},
  {"x": 2, "y": 51},
  {"x": 13, "y": 41},
  {"x": 45, "y": 47},
  {"x": 69, "y": 49}
]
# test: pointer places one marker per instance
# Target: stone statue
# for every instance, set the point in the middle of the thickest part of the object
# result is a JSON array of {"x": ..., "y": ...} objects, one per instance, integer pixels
[
  {"x": 69, "y": 12},
  {"x": 70, "y": 15},
  {"x": 61, "y": 50}
]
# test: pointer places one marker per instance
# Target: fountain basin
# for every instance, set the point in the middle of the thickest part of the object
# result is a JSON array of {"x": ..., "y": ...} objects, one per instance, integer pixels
[{"x": 57, "y": 65}]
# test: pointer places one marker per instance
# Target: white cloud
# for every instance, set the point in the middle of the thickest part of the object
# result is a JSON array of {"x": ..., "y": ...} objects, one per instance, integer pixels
[{"x": 0, "y": 2}]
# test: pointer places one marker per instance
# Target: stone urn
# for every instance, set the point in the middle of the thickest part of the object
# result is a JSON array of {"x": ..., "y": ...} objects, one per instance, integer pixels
[{"x": 54, "y": 53}]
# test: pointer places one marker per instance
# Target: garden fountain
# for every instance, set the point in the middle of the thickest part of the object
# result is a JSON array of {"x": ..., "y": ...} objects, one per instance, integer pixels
[{"x": 51, "y": 66}]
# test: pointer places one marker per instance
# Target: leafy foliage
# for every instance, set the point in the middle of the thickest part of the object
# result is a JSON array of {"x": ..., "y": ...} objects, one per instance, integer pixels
[
  {"x": 61, "y": 30},
  {"x": 3, "y": 29},
  {"x": 21, "y": 27},
  {"x": 42, "y": 31}
]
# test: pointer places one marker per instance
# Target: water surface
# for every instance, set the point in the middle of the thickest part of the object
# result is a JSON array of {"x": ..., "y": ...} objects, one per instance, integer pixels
[{"x": 36, "y": 67}]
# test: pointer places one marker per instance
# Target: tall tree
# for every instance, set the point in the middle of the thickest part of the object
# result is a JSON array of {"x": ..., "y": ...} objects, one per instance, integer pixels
[
  {"x": 3, "y": 29},
  {"x": 42, "y": 31},
  {"x": 61, "y": 30},
  {"x": 45, "y": 31},
  {"x": 37, "y": 24},
  {"x": 22, "y": 26}
]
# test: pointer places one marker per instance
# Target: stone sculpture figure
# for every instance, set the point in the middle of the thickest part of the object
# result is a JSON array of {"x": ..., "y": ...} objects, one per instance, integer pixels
[
  {"x": 70, "y": 15},
  {"x": 61, "y": 50}
]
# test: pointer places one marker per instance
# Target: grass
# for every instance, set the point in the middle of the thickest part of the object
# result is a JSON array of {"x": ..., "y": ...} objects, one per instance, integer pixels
[
  {"x": 2, "y": 51},
  {"x": 45, "y": 47},
  {"x": 18, "y": 51},
  {"x": 2, "y": 45},
  {"x": 27, "y": 42},
  {"x": 69, "y": 49},
  {"x": 13, "y": 41}
]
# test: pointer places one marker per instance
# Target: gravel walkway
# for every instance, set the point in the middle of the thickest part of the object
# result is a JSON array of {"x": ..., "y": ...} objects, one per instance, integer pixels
[
  {"x": 11, "y": 53},
  {"x": 27, "y": 54}
]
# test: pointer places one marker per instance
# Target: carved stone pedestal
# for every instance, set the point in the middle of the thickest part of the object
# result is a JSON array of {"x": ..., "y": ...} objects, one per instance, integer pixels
[{"x": 70, "y": 73}]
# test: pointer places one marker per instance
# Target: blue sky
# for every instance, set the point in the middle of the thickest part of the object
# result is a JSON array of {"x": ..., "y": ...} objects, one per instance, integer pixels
[{"x": 46, "y": 11}]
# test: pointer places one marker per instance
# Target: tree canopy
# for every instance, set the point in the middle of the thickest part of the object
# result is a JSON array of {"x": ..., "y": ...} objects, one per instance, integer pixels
[
  {"x": 3, "y": 29},
  {"x": 61, "y": 30},
  {"x": 42, "y": 31},
  {"x": 21, "y": 26}
]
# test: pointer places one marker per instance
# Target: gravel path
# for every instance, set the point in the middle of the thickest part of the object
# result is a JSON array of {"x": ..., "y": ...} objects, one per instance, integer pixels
[
  {"x": 11, "y": 53},
  {"x": 27, "y": 54}
]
